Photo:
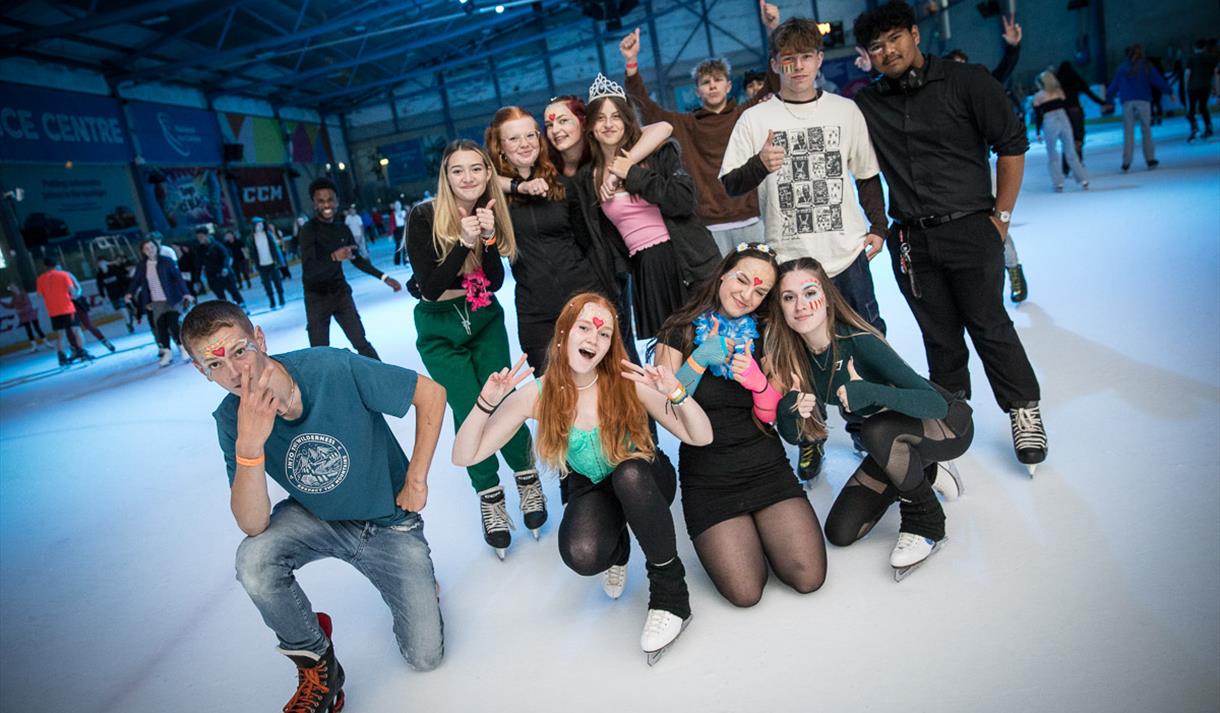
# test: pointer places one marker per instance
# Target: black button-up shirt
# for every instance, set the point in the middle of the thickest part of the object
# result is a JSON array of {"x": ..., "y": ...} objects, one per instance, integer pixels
[{"x": 933, "y": 142}]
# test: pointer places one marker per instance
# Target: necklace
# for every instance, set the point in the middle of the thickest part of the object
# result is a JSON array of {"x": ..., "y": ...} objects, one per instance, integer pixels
[
  {"x": 292, "y": 399},
  {"x": 465, "y": 317},
  {"x": 783, "y": 102},
  {"x": 590, "y": 384}
]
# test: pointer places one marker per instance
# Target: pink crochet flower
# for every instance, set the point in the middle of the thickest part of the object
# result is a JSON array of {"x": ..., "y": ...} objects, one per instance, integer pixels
[{"x": 476, "y": 284}]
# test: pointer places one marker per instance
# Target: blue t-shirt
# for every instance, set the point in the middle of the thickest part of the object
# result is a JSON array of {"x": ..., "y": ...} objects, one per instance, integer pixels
[{"x": 339, "y": 459}]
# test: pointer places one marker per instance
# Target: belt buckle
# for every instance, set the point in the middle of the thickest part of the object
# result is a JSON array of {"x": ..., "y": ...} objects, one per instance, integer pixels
[{"x": 925, "y": 222}]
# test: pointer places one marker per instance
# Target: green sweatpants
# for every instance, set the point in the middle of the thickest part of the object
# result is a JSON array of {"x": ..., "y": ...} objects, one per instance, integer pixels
[{"x": 462, "y": 362}]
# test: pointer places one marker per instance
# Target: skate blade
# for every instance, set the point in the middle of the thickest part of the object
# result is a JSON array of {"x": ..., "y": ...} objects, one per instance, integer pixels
[
  {"x": 655, "y": 656},
  {"x": 1032, "y": 468},
  {"x": 537, "y": 534},
  {"x": 901, "y": 573},
  {"x": 501, "y": 552}
]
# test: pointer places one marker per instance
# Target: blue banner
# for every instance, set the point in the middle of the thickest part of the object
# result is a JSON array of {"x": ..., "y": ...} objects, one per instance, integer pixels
[
  {"x": 175, "y": 134},
  {"x": 56, "y": 127},
  {"x": 407, "y": 162}
]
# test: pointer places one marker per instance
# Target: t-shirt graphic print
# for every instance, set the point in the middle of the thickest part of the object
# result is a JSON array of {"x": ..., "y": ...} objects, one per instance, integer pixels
[{"x": 809, "y": 205}]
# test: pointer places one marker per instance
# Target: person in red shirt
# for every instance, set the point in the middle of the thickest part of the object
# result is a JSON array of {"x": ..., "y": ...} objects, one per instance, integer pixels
[{"x": 57, "y": 289}]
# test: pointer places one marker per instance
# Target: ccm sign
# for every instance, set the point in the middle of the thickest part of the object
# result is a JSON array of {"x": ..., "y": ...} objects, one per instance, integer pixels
[{"x": 262, "y": 194}]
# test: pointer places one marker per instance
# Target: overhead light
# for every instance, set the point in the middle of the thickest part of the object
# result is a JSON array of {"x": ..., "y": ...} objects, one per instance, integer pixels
[
  {"x": 67, "y": 164},
  {"x": 383, "y": 162},
  {"x": 499, "y": 9},
  {"x": 342, "y": 166},
  {"x": 150, "y": 21},
  {"x": 359, "y": 28}
]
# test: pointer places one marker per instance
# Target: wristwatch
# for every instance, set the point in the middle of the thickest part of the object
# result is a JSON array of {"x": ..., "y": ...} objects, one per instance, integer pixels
[{"x": 1003, "y": 216}]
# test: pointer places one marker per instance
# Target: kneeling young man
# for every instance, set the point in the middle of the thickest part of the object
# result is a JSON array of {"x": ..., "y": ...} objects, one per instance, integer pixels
[{"x": 314, "y": 420}]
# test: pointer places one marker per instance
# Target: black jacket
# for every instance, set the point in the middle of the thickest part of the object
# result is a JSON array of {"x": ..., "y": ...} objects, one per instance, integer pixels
[
  {"x": 215, "y": 257},
  {"x": 666, "y": 184}
]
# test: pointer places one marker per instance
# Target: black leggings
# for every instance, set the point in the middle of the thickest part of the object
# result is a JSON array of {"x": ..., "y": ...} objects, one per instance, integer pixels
[
  {"x": 31, "y": 327},
  {"x": 902, "y": 455},
  {"x": 593, "y": 534},
  {"x": 167, "y": 328}
]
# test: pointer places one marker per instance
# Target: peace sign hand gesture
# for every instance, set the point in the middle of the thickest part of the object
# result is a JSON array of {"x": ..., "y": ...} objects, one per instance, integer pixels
[
  {"x": 805, "y": 403},
  {"x": 502, "y": 383},
  {"x": 656, "y": 377}
]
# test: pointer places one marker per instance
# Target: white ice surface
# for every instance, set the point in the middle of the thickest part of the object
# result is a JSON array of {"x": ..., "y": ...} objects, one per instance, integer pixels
[{"x": 1093, "y": 587}]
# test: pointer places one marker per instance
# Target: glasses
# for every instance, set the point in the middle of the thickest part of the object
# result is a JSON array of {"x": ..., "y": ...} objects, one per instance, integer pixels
[
  {"x": 218, "y": 357},
  {"x": 514, "y": 141}
]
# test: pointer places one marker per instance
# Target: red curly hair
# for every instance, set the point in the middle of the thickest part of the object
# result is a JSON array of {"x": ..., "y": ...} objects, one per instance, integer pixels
[{"x": 543, "y": 166}]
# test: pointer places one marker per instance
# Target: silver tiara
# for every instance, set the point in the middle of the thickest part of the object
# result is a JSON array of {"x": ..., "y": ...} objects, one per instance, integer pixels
[{"x": 604, "y": 87}]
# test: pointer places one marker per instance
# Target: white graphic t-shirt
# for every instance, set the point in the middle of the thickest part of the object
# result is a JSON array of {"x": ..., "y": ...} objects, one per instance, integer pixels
[{"x": 809, "y": 206}]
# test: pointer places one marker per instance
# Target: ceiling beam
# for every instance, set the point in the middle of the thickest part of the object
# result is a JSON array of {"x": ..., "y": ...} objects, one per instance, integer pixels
[
  {"x": 233, "y": 55},
  {"x": 134, "y": 13}
]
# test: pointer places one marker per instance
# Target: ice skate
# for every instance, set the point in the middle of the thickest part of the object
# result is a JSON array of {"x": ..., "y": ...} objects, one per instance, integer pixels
[
  {"x": 183, "y": 354},
  {"x": 948, "y": 481},
  {"x": 809, "y": 462},
  {"x": 661, "y": 630},
  {"x": 910, "y": 552},
  {"x": 166, "y": 357},
  {"x": 1028, "y": 435},
  {"x": 614, "y": 581},
  {"x": 106, "y": 343},
  {"x": 1019, "y": 290},
  {"x": 319, "y": 678},
  {"x": 63, "y": 359},
  {"x": 533, "y": 500},
  {"x": 496, "y": 523},
  {"x": 81, "y": 355}
]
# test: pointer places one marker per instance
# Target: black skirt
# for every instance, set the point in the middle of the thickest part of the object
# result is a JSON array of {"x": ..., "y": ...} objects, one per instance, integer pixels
[{"x": 657, "y": 290}]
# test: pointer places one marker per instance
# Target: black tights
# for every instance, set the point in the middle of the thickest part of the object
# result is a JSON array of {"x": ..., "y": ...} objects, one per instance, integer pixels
[
  {"x": 786, "y": 535},
  {"x": 30, "y": 327},
  {"x": 593, "y": 533},
  {"x": 909, "y": 448}
]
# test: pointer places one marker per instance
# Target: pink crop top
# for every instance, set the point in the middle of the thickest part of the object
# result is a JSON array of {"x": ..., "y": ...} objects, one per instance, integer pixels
[{"x": 638, "y": 221}]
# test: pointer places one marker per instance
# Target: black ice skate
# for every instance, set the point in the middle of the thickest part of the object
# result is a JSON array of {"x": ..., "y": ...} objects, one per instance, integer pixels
[
  {"x": 496, "y": 524},
  {"x": 533, "y": 500},
  {"x": 809, "y": 461},
  {"x": 1019, "y": 289},
  {"x": 1028, "y": 435}
]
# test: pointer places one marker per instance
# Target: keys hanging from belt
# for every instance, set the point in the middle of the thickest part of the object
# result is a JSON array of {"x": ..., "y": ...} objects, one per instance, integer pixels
[{"x": 904, "y": 261}]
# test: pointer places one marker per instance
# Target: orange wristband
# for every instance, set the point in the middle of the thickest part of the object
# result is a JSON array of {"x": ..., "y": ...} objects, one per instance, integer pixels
[
  {"x": 690, "y": 361},
  {"x": 251, "y": 461}
]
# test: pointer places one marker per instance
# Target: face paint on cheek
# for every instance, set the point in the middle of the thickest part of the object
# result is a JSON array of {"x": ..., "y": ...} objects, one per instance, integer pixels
[{"x": 787, "y": 67}]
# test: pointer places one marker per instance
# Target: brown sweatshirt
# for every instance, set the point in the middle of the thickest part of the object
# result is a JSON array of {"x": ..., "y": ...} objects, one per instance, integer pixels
[{"x": 703, "y": 137}]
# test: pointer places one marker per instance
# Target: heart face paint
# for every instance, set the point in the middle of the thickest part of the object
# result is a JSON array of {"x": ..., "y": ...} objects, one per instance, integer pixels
[
  {"x": 597, "y": 322},
  {"x": 757, "y": 282},
  {"x": 591, "y": 335}
]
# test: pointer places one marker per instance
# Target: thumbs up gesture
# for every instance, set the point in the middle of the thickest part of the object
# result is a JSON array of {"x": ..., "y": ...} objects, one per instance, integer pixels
[
  {"x": 842, "y": 390},
  {"x": 804, "y": 402},
  {"x": 469, "y": 227},
  {"x": 486, "y": 219},
  {"x": 771, "y": 155},
  {"x": 769, "y": 14}
]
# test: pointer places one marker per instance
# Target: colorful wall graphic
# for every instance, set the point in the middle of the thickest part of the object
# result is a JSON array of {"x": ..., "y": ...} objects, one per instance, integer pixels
[
  {"x": 308, "y": 143},
  {"x": 178, "y": 199},
  {"x": 261, "y": 137}
]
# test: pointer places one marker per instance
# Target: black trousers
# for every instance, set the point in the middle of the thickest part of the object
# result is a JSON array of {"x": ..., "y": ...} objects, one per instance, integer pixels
[
  {"x": 1198, "y": 105},
  {"x": 958, "y": 272},
  {"x": 220, "y": 284},
  {"x": 321, "y": 306},
  {"x": 270, "y": 275}
]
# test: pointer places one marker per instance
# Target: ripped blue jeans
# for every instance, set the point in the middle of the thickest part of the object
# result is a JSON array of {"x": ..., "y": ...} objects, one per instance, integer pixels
[{"x": 397, "y": 560}]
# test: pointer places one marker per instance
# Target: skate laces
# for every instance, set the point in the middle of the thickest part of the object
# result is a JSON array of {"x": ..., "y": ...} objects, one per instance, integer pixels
[
  {"x": 1017, "y": 278},
  {"x": 1027, "y": 430},
  {"x": 616, "y": 576},
  {"x": 530, "y": 490},
  {"x": 908, "y": 541},
  {"x": 654, "y": 625},
  {"x": 805, "y": 458},
  {"x": 310, "y": 690},
  {"x": 495, "y": 515}
]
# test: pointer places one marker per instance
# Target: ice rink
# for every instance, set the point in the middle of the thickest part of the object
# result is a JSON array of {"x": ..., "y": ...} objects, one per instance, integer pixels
[{"x": 1093, "y": 587}]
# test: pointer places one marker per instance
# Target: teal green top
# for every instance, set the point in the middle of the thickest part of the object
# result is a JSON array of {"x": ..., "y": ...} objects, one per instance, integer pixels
[
  {"x": 886, "y": 382},
  {"x": 585, "y": 453}
]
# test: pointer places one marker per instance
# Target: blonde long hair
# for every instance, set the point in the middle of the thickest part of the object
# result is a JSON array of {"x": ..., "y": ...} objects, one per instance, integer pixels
[
  {"x": 446, "y": 224},
  {"x": 786, "y": 351},
  {"x": 621, "y": 416}
]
